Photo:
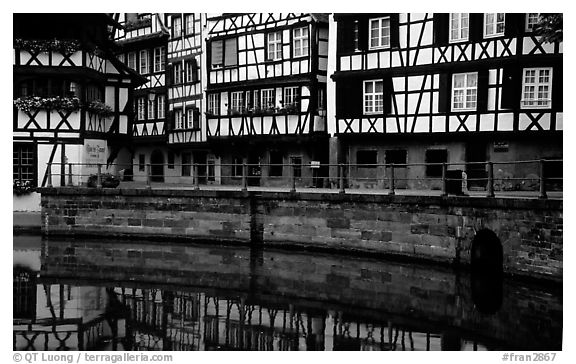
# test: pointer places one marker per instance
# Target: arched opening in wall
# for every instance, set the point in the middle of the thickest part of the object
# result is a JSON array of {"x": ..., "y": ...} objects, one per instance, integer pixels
[
  {"x": 157, "y": 166},
  {"x": 486, "y": 277},
  {"x": 486, "y": 252}
]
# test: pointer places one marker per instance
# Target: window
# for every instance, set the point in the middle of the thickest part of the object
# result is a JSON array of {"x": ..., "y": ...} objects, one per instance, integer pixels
[
  {"x": 24, "y": 163},
  {"x": 237, "y": 106},
  {"x": 186, "y": 164},
  {"x": 380, "y": 33},
  {"x": 373, "y": 97},
  {"x": 224, "y": 53},
  {"x": 296, "y": 163},
  {"x": 537, "y": 88},
  {"x": 236, "y": 167},
  {"x": 256, "y": 101},
  {"x": 189, "y": 21},
  {"x": 292, "y": 98},
  {"x": 176, "y": 27},
  {"x": 300, "y": 45},
  {"x": 532, "y": 21},
  {"x": 151, "y": 109},
  {"x": 178, "y": 119},
  {"x": 356, "y": 39},
  {"x": 192, "y": 118},
  {"x": 177, "y": 73},
  {"x": 275, "y": 45},
  {"x": 191, "y": 71},
  {"x": 141, "y": 108},
  {"x": 493, "y": 24},
  {"x": 396, "y": 156},
  {"x": 144, "y": 66},
  {"x": 159, "y": 61},
  {"x": 435, "y": 156},
  {"x": 141, "y": 162},
  {"x": 132, "y": 60},
  {"x": 170, "y": 160},
  {"x": 367, "y": 158},
  {"x": 213, "y": 104},
  {"x": 160, "y": 104},
  {"x": 464, "y": 91},
  {"x": 458, "y": 27},
  {"x": 276, "y": 162},
  {"x": 268, "y": 100}
]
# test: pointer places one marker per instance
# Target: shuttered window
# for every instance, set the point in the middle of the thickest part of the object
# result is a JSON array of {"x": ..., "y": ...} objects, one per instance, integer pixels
[
  {"x": 217, "y": 53},
  {"x": 230, "y": 53}
]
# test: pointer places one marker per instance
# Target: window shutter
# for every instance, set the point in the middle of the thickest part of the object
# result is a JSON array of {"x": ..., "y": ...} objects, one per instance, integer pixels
[
  {"x": 196, "y": 118},
  {"x": 482, "y": 92},
  {"x": 345, "y": 35},
  {"x": 444, "y": 96},
  {"x": 349, "y": 98},
  {"x": 476, "y": 30},
  {"x": 394, "y": 31},
  {"x": 216, "y": 53},
  {"x": 557, "y": 95},
  {"x": 514, "y": 24},
  {"x": 194, "y": 70},
  {"x": 511, "y": 87},
  {"x": 230, "y": 53},
  {"x": 363, "y": 33},
  {"x": 388, "y": 94},
  {"x": 441, "y": 28}
]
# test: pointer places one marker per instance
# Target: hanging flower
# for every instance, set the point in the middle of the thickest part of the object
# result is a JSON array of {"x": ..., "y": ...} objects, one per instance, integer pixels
[
  {"x": 99, "y": 108},
  {"x": 22, "y": 187},
  {"x": 36, "y": 46},
  {"x": 32, "y": 103}
]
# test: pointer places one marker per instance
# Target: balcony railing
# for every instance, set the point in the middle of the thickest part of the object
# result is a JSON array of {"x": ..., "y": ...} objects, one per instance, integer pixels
[{"x": 474, "y": 178}]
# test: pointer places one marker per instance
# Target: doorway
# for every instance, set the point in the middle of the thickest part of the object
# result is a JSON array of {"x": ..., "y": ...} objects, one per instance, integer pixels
[
  {"x": 157, "y": 166},
  {"x": 476, "y": 152},
  {"x": 399, "y": 158}
]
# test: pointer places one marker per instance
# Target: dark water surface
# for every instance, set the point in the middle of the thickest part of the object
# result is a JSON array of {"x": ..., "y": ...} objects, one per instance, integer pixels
[{"x": 118, "y": 295}]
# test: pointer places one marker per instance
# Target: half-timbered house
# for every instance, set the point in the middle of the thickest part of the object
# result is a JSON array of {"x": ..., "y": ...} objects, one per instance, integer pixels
[
  {"x": 435, "y": 88},
  {"x": 266, "y": 92},
  {"x": 143, "y": 41},
  {"x": 72, "y": 100}
]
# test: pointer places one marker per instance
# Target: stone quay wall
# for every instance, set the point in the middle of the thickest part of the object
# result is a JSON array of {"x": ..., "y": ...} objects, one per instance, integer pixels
[{"x": 430, "y": 228}]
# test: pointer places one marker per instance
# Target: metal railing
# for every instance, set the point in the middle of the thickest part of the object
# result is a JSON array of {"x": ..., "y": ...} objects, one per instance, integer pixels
[{"x": 389, "y": 177}]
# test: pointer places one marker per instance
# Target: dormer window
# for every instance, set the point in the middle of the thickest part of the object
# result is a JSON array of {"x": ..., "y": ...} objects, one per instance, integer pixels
[{"x": 379, "y": 33}]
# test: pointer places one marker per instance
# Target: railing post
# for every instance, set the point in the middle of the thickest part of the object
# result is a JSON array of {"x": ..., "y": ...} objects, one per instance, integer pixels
[
  {"x": 392, "y": 186},
  {"x": 244, "y": 176},
  {"x": 196, "y": 179},
  {"x": 341, "y": 179},
  {"x": 70, "y": 175},
  {"x": 293, "y": 189},
  {"x": 148, "y": 175},
  {"x": 99, "y": 176},
  {"x": 49, "y": 175},
  {"x": 444, "y": 189},
  {"x": 542, "y": 180},
  {"x": 490, "y": 179}
]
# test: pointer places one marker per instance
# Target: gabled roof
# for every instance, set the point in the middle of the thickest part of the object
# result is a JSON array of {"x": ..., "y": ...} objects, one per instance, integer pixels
[{"x": 320, "y": 17}]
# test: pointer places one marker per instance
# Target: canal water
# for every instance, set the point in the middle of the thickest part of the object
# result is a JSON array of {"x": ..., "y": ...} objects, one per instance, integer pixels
[{"x": 118, "y": 295}]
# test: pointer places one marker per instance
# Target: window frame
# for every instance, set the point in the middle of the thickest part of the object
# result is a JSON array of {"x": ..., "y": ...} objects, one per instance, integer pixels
[
  {"x": 460, "y": 28},
  {"x": 177, "y": 73},
  {"x": 465, "y": 88},
  {"x": 131, "y": 59},
  {"x": 527, "y": 25},
  {"x": 495, "y": 26},
  {"x": 141, "y": 162},
  {"x": 268, "y": 91},
  {"x": 380, "y": 38},
  {"x": 237, "y": 102},
  {"x": 178, "y": 119},
  {"x": 151, "y": 108},
  {"x": 189, "y": 71},
  {"x": 177, "y": 30},
  {"x": 213, "y": 104},
  {"x": 187, "y": 21},
  {"x": 536, "y": 85},
  {"x": 374, "y": 94},
  {"x": 144, "y": 62},
  {"x": 31, "y": 165},
  {"x": 295, "y": 97},
  {"x": 189, "y": 118},
  {"x": 159, "y": 59},
  {"x": 432, "y": 169},
  {"x": 141, "y": 108},
  {"x": 277, "y": 43},
  {"x": 296, "y": 168},
  {"x": 160, "y": 106},
  {"x": 303, "y": 38},
  {"x": 360, "y": 161}
]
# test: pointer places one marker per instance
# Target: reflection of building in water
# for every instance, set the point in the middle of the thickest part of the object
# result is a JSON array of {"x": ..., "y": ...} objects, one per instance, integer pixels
[{"x": 63, "y": 317}]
